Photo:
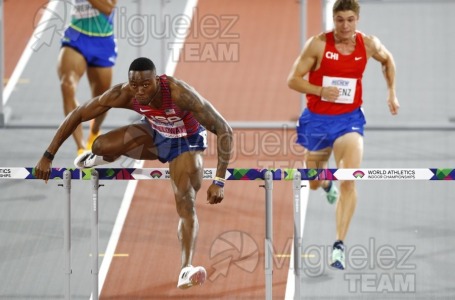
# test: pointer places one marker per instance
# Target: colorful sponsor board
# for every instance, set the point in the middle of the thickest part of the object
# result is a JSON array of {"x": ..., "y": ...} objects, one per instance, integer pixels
[
  {"x": 28, "y": 173},
  {"x": 241, "y": 173},
  {"x": 372, "y": 174}
]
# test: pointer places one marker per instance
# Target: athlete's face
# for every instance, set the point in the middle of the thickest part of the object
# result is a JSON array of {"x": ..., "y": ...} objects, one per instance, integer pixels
[
  {"x": 345, "y": 23},
  {"x": 144, "y": 84}
]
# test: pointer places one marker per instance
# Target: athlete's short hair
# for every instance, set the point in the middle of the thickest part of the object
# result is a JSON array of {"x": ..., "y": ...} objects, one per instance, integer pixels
[
  {"x": 343, "y": 5},
  {"x": 142, "y": 64}
]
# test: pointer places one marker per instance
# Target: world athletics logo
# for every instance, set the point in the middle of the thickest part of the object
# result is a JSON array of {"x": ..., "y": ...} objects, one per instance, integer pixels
[
  {"x": 358, "y": 174},
  {"x": 156, "y": 174}
]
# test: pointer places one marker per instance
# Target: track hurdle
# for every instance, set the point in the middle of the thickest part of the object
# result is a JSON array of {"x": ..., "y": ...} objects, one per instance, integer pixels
[
  {"x": 97, "y": 174},
  {"x": 268, "y": 176},
  {"x": 300, "y": 175},
  {"x": 162, "y": 174}
]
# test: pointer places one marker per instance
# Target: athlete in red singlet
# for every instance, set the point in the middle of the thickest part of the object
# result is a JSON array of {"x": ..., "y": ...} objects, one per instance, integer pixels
[
  {"x": 173, "y": 130},
  {"x": 334, "y": 64},
  {"x": 329, "y": 71}
]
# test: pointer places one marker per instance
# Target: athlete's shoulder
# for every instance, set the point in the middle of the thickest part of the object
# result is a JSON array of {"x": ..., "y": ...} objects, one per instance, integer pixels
[
  {"x": 184, "y": 95},
  {"x": 117, "y": 96},
  {"x": 317, "y": 40},
  {"x": 367, "y": 38},
  {"x": 177, "y": 87},
  {"x": 174, "y": 81},
  {"x": 322, "y": 36},
  {"x": 315, "y": 45},
  {"x": 371, "y": 42}
]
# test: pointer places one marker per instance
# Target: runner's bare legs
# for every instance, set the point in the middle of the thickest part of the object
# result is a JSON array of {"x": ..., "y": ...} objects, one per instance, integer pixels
[
  {"x": 186, "y": 173},
  {"x": 133, "y": 141},
  {"x": 318, "y": 160},
  {"x": 71, "y": 67},
  {"x": 186, "y": 176},
  {"x": 348, "y": 153},
  {"x": 100, "y": 80}
]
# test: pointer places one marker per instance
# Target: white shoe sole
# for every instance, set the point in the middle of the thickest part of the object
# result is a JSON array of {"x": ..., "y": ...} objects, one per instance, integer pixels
[
  {"x": 83, "y": 161},
  {"x": 197, "y": 276}
]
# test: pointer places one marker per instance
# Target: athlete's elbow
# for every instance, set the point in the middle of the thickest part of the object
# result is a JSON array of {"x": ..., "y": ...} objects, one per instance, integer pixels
[
  {"x": 225, "y": 133},
  {"x": 292, "y": 82},
  {"x": 77, "y": 115},
  {"x": 229, "y": 131}
]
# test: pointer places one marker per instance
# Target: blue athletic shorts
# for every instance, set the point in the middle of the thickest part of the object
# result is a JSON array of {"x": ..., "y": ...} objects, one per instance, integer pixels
[
  {"x": 316, "y": 131},
  {"x": 97, "y": 51},
  {"x": 170, "y": 148}
]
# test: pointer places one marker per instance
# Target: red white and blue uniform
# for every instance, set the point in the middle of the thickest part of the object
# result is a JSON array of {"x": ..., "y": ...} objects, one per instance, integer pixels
[
  {"x": 174, "y": 131},
  {"x": 322, "y": 122}
]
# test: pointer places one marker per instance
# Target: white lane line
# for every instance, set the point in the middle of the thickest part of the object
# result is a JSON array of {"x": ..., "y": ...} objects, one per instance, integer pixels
[
  {"x": 28, "y": 51},
  {"x": 304, "y": 195},
  {"x": 178, "y": 43}
]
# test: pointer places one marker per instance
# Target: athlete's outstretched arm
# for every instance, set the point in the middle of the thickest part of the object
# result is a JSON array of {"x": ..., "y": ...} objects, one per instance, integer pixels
[
  {"x": 85, "y": 112},
  {"x": 189, "y": 99}
]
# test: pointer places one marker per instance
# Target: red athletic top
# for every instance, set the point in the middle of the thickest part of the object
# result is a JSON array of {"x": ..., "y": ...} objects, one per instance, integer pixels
[
  {"x": 169, "y": 120},
  {"x": 335, "y": 64}
]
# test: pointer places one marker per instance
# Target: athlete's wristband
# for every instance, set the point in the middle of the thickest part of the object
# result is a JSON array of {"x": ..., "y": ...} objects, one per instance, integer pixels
[
  {"x": 48, "y": 155},
  {"x": 219, "y": 181}
]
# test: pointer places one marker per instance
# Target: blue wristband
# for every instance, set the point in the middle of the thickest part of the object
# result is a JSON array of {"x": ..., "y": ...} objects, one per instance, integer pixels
[{"x": 218, "y": 183}]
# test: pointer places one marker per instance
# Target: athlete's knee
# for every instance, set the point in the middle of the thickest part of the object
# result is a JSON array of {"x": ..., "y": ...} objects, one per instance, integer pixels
[
  {"x": 185, "y": 206},
  {"x": 99, "y": 146},
  {"x": 347, "y": 185},
  {"x": 196, "y": 183},
  {"x": 68, "y": 83},
  {"x": 185, "y": 212}
]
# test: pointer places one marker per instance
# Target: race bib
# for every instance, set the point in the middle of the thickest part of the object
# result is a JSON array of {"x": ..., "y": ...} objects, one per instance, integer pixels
[{"x": 346, "y": 86}]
